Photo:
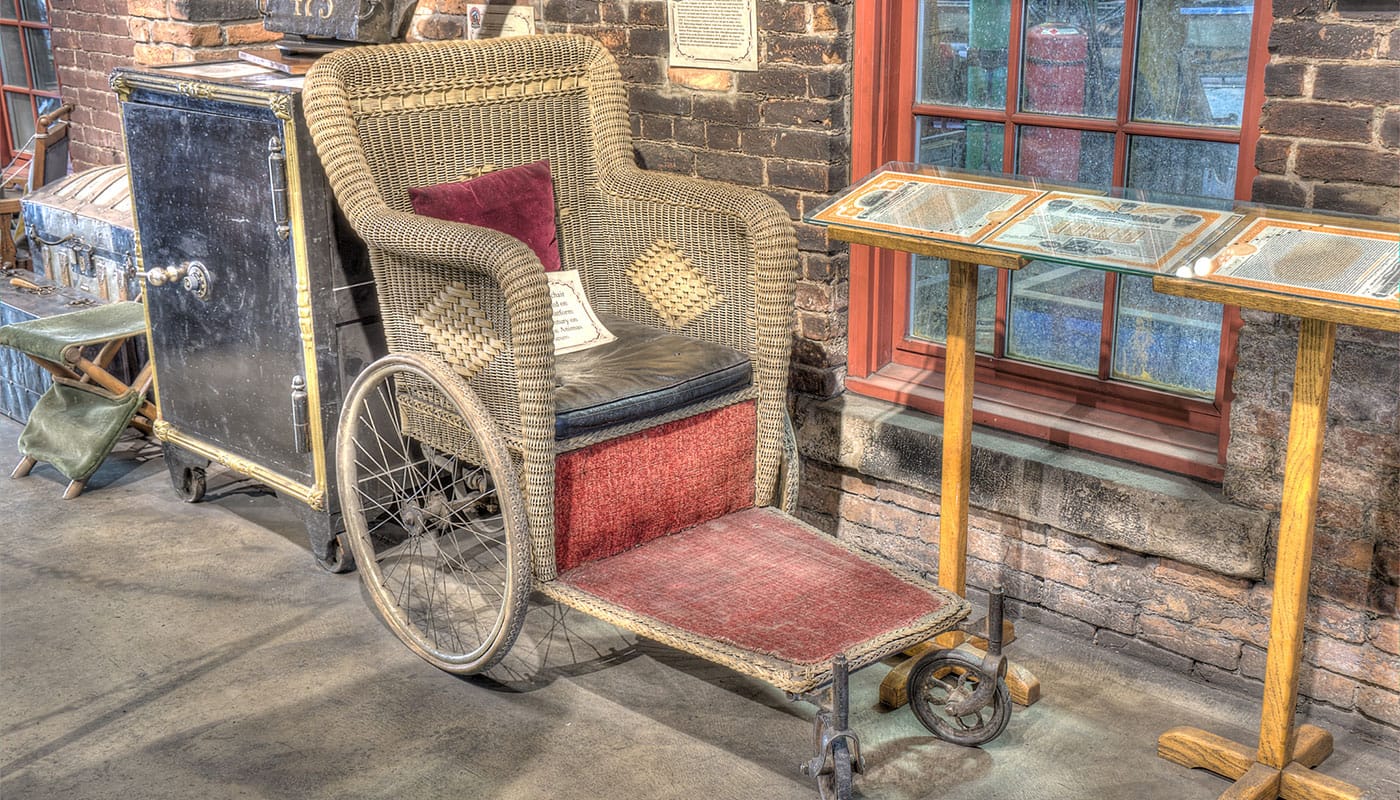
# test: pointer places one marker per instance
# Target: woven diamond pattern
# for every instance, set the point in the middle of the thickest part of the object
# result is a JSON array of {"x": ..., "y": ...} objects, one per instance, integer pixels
[
  {"x": 454, "y": 322},
  {"x": 671, "y": 284}
]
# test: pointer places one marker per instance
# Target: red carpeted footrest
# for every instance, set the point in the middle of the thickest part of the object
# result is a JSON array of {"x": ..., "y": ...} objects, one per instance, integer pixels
[{"x": 764, "y": 594}]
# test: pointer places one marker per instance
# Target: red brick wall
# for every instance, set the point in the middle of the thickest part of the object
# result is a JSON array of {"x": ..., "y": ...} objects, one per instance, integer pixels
[
  {"x": 90, "y": 39},
  {"x": 93, "y": 37}
]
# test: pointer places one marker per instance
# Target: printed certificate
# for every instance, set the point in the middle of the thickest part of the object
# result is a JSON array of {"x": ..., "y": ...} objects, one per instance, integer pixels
[
  {"x": 1352, "y": 265},
  {"x": 928, "y": 206},
  {"x": 1108, "y": 230}
]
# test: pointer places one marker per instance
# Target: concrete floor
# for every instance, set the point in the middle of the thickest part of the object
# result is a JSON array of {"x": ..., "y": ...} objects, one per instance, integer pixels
[{"x": 153, "y": 649}]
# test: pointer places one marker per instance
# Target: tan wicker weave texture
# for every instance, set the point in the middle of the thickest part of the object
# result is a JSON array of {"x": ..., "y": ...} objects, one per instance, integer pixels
[{"x": 391, "y": 117}]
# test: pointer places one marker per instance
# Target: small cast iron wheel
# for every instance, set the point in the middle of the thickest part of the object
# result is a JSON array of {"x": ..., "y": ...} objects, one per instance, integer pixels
[
  {"x": 338, "y": 557},
  {"x": 836, "y": 785},
  {"x": 949, "y": 676},
  {"x": 439, "y": 537},
  {"x": 186, "y": 472}
]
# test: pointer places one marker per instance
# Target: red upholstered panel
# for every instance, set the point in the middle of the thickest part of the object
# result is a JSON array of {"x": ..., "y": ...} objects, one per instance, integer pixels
[
  {"x": 614, "y": 495},
  {"x": 762, "y": 581}
]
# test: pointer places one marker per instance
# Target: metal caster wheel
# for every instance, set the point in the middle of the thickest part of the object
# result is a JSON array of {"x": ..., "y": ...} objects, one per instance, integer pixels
[
  {"x": 940, "y": 688},
  {"x": 837, "y": 757},
  {"x": 338, "y": 558},
  {"x": 836, "y": 785},
  {"x": 187, "y": 479}
]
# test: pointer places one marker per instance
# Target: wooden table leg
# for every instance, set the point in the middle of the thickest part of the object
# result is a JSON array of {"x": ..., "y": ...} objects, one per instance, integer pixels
[
  {"x": 1285, "y": 753},
  {"x": 958, "y": 371}
]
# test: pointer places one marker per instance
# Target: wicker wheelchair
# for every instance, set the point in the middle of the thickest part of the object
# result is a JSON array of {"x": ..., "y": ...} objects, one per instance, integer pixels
[{"x": 648, "y": 481}]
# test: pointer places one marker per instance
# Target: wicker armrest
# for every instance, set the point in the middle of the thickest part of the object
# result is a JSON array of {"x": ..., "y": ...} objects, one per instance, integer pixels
[
  {"x": 710, "y": 207},
  {"x": 762, "y": 213}
]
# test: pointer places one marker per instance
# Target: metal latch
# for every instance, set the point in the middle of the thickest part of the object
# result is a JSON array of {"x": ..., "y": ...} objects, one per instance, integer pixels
[
  {"x": 300, "y": 415},
  {"x": 277, "y": 175}
]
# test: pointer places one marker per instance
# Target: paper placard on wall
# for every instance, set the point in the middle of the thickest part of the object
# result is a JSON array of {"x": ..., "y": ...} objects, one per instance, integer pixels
[
  {"x": 499, "y": 22},
  {"x": 576, "y": 327},
  {"x": 714, "y": 34}
]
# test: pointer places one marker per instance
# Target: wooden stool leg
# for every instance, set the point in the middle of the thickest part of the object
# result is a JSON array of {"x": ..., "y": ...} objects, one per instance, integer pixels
[
  {"x": 74, "y": 489},
  {"x": 23, "y": 467}
]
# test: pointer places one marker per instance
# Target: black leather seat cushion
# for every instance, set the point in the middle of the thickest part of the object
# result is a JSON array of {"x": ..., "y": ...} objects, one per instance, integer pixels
[{"x": 643, "y": 373}]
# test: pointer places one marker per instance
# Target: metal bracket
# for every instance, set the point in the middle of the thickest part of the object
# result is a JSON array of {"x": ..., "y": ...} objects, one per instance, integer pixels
[
  {"x": 833, "y": 724},
  {"x": 277, "y": 176}
]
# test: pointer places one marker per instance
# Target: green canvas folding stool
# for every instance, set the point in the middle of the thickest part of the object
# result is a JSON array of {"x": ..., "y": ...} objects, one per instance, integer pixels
[{"x": 77, "y": 422}]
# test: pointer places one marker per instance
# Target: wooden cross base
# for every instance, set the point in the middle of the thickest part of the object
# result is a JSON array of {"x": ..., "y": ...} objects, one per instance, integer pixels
[{"x": 1255, "y": 780}]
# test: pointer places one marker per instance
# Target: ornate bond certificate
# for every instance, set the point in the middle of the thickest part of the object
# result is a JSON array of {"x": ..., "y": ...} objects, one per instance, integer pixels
[
  {"x": 1108, "y": 230},
  {"x": 927, "y": 205},
  {"x": 1352, "y": 265}
]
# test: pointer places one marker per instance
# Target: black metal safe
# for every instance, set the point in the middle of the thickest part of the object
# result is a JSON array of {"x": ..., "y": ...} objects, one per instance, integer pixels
[{"x": 261, "y": 305}]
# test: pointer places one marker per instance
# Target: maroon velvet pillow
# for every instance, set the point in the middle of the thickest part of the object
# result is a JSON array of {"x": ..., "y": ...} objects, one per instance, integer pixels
[{"x": 518, "y": 201}]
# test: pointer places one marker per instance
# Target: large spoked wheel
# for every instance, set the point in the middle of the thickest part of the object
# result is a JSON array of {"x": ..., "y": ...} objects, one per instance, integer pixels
[
  {"x": 439, "y": 536},
  {"x": 945, "y": 678}
]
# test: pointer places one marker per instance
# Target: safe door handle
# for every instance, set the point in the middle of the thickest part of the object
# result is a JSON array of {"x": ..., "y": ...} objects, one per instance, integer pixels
[{"x": 192, "y": 275}]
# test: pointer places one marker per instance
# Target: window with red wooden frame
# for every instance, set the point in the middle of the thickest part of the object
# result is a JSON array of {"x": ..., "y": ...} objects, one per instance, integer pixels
[
  {"x": 1160, "y": 95},
  {"x": 27, "y": 69}
]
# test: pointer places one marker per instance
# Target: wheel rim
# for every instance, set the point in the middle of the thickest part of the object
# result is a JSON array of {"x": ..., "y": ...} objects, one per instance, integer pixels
[
  {"x": 438, "y": 537},
  {"x": 949, "y": 680}
]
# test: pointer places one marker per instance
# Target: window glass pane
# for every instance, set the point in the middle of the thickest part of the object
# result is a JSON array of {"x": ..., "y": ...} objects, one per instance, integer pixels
[
  {"x": 1163, "y": 341},
  {"x": 41, "y": 59},
  {"x": 1168, "y": 342},
  {"x": 961, "y": 144},
  {"x": 12, "y": 57},
  {"x": 963, "y": 51},
  {"x": 1182, "y": 166},
  {"x": 1191, "y": 61},
  {"x": 7, "y": 9},
  {"x": 1062, "y": 154},
  {"x": 21, "y": 120},
  {"x": 1071, "y": 58},
  {"x": 928, "y": 302},
  {"x": 1056, "y": 315},
  {"x": 32, "y": 10}
]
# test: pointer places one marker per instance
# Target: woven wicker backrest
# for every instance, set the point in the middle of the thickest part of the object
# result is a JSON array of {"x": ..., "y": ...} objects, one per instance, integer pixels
[
  {"x": 447, "y": 111},
  {"x": 685, "y": 255}
]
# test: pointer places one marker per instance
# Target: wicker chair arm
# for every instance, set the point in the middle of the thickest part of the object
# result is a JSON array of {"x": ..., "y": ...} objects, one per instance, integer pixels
[
  {"x": 511, "y": 265},
  {"x": 772, "y": 273},
  {"x": 764, "y": 218},
  {"x": 453, "y": 244}
]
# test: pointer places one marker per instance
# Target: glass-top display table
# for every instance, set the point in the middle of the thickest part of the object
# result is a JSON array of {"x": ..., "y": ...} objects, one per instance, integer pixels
[{"x": 1326, "y": 269}]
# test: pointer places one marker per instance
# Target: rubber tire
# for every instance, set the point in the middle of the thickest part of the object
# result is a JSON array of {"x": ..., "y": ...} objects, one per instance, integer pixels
[
  {"x": 485, "y": 649},
  {"x": 937, "y": 665}
]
